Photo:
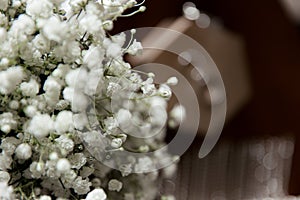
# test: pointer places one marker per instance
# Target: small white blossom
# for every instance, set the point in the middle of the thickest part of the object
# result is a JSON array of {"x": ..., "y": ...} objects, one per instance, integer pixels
[
  {"x": 14, "y": 104},
  {"x": 23, "y": 25},
  {"x": 94, "y": 57},
  {"x": 135, "y": 48},
  {"x": 172, "y": 81},
  {"x": 63, "y": 165},
  {"x": 116, "y": 143},
  {"x": 96, "y": 194},
  {"x": 148, "y": 89},
  {"x": 114, "y": 50},
  {"x": 65, "y": 144},
  {"x": 3, "y": 35},
  {"x": 54, "y": 29},
  {"x": 23, "y": 151},
  {"x": 91, "y": 23},
  {"x": 53, "y": 156},
  {"x": 40, "y": 125},
  {"x": 30, "y": 111},
  {"x": 64, "y": 122},
  {"x": 7, "y": 122},
  {"x": 10, "y": 78},
  {"x": 45, "y": 197},
  {"x": 9, "y": 144},
  {"x": 41, "y": 43},
  {"x": 4, "y": 176},
  {"x": 37, "y": 169},
  {"x": 5, "y": 161},
  {"x": 30, "y": 88},
  {"x": 115, "y": 185},
  {"x": 39, "y": 8},
  {"x": 81, "y": 186},
  {"x": 165, "y": 91},
  {"x": 177, "y": 115},
  {"x": 77, "y": 160},
  {"x": 6, "y": 192}
]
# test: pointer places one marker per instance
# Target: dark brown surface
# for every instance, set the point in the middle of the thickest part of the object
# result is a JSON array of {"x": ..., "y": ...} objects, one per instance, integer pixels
[{"x": 273, "y": 48}]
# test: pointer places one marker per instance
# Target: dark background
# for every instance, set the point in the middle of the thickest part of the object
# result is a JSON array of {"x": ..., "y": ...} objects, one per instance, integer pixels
[{"x": 273, "y": 48}]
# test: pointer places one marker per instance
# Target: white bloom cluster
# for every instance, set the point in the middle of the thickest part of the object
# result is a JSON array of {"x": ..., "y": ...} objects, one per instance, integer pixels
[{"x": 55, "y": 56}]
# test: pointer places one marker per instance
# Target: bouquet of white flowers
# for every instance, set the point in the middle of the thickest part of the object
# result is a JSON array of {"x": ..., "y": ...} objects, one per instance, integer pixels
[{"x": 75, "y": 117}]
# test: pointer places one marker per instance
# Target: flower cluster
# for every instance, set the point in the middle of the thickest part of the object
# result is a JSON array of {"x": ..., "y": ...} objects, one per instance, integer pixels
[{"x": 65, "y": 89}]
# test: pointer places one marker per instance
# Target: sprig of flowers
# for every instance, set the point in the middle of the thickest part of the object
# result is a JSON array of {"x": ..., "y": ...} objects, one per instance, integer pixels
[{"x": 56, "y": 55}]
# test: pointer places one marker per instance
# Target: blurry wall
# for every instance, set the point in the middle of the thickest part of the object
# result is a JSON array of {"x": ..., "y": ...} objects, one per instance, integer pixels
[{"x": 273, "y": 49}]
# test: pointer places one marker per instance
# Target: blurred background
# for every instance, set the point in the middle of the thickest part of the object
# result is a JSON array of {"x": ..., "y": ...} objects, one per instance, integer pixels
[{"x": 256, "y": 46}]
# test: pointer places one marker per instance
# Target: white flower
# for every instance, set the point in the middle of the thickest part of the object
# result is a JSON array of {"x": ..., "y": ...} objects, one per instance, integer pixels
[
  {"x": 30, "y": 88},
  {"x": 37, "y": 169},
  {"x": 51, "y": 85},
  {"x": 41, "y": 43},
  {"x": 63, "y": 165},
  {"x": 45, "y": 197},
  {"x": 165, "y": 91},
  {"x": 96, "y": 194},
  {"x": 39, "y": 8},
  {"x": 40, "y": 125},
  {"x": 23, "y": 151},
  {"x": 54, "y": 29},
  {"x": 80, "y": 121},
  {"x": 94, "y": 82},
  {"x": 77, "y": 77},
  {"x": 93, "y": 57},
  {"x": 68, "y": 93},
  {"x": 144, "y": 164},
  {"x": 6, "y": 192},
  {"x": 65, "y": 143},
  {"x": 115, "y": 185},
  {"x": 3, "y": 34},
  {"x": 81, "y": 186},
  {"x": 77, "y": 160},
  {"x": 23, "y": 25},
  {"x": 7, "y": 122},
  {"x": 91, "y": 23},
  {"x": 53, "y": 156},
  {"x": 14, "y": 104},
  {"x": 114, "y": 50},
  {"x": 69, "y": 51},
  {"x": 119, "y": 39},
  {"x": 113, "y": 88},
  {"x": 177, "y": 115},
  {"x": 148, "y": 89},
  {"x": 4, "y": 176},
  {"x": 10, "y": 78},
  {"x": 64, "y": 122},
  {"x": 135, "y": 48},
  {"x": 111, "y": 124},
  {"x": 30, "y": 111},
  {"x": 9, "y": 144},
  {"x": 52, "y": 90},
  {"x": 61, "y": 71},
  {"x": 68, "y": 178},
  {"x": 5, "y": 161},
  {"x": 116, "y": 143},
  {"x": 77, "y": 4},
  {"x": 79, "y": 102},
  {"x": 172, "y": 81}
]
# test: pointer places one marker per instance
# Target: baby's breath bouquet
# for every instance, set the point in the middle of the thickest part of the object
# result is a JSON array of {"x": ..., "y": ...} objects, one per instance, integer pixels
[{"x": 71, "y": 107}]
